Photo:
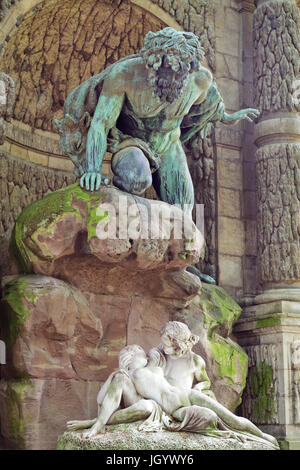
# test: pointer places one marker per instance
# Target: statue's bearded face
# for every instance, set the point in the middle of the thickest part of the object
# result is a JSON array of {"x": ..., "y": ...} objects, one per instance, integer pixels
[
  {"x": 170, "y": 56},
  {"x": 169, "y": 83}
]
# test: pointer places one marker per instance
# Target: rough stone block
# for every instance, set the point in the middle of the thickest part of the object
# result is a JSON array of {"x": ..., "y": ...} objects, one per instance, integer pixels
[
  {"x": 49, "y": 330},
  {"x": 230, "y": 271},
  {"x": 19, "y": 151},
  {"x": 231, "y": 236},
  {"x": 33, "y": 412},
  {"x": 39, "y": 158},
  {"x": 227, "y": 153},
  {"x": 229, "y": 203},
  {"x": 61, "y": 163},
  {"x": 230, "y": 174}
]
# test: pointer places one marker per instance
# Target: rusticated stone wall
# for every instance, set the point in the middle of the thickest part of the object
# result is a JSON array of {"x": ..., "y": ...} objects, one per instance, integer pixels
[
  {"x": 202, "y": 167},
  {"x": 197, "y": 16},
  {"x": 278, "y": 184},
  {"x": 58, "y": 45},
  {"x": 277, "y": 65},
  {"x": 21, "y": 183}
]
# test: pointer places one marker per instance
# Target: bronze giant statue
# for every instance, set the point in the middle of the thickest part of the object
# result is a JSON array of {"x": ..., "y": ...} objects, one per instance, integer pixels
[{"x": 141, "y": 109}]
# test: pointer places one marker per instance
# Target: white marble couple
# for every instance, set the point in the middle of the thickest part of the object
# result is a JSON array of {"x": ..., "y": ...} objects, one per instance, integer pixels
[{"x": 168, "y": 389}]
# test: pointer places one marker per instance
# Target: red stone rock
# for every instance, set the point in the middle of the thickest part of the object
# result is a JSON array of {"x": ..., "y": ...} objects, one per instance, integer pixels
[{"x": 56, "y": 333}]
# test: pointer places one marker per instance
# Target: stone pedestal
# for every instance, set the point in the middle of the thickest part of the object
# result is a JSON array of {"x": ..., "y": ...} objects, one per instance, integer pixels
[
  {"x": 128, "y": 437},
  {"x": 270, "y": 333}
]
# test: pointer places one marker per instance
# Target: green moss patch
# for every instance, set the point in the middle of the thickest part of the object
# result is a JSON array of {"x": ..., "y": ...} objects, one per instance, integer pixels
[
  {"x": 19, "y": 294},
  {"x": 219, "y": 309},
  {"x": 14, "y": 396},
  {"x": 41, "y": 215},
  {"x": 263, "y": 392},
  {"x": 231, "y": 360}
]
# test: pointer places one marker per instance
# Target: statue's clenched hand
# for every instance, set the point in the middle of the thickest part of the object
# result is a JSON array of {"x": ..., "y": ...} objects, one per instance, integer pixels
[{"x": 92, "y": 181}]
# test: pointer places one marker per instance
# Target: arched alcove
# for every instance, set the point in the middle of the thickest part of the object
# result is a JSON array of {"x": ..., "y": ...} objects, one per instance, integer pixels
[{"x": 60, "y": 44}]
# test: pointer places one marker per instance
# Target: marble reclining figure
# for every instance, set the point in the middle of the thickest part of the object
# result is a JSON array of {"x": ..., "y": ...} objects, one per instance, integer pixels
[{"x": 168, "y": 389}]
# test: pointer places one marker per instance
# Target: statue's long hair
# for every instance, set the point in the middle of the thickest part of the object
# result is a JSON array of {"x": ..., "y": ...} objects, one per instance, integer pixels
[
  {"x": 179, "y": 336},
  {"x": 170, "y": 55}
]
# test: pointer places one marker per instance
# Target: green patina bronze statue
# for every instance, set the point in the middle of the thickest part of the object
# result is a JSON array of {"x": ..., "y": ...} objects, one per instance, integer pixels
[{"x": 141, "y": 109}]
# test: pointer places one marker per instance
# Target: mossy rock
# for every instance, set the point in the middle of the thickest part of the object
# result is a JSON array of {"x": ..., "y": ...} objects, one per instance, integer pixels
[
  {"x": 75, "y": 222},
  {"x": 11, "y": 413},
  {"x": 41, "y": 216},
  {"x": 16, "y": 304},
  {"x": 219, "y": 309}
]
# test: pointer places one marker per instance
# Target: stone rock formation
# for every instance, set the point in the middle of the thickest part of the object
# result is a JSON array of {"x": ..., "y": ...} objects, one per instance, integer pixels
[{"x": 85, "y": 293}]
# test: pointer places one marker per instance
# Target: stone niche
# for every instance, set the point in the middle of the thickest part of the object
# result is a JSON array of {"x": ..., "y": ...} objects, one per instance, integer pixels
[{"x": 81, "y": 297}]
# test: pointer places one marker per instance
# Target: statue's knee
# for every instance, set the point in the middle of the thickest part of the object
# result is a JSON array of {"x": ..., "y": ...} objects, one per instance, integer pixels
[
  {"x": 120, "y": 379},
  {"x": 146, "y": 405},
  {"x": 132, "y": 170},
  {"x": 209, "y": 416}
]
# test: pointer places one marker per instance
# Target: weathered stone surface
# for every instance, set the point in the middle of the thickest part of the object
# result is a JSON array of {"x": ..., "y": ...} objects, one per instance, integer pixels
[
  {"x": 21, "y": 183},
  {"x": 33, "y": 412},
  {"x": 7, "y": 100},
  {"x": 50, "y": 72},
  {"x": 50, "y": 330},
  {"x": 127, "y": 437},
  {"x": 201, "y": 160},
  {"x": 211, "y": 315},
  {"x": 276, "y": 43},
  {"x": 278, "y": 169},
  {"x": 46, "y": 70}
]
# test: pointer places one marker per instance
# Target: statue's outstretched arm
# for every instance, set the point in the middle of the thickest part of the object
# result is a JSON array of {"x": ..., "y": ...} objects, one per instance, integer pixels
[
  {"x": 249, "y": 113},
  {"x": 106, "y": 114},
  {"x": 212, "y": 109}
]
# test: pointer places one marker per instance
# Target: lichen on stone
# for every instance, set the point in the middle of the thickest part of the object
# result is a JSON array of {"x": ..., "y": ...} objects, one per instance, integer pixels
[
  {"x": 263, "y": 392},
  {"x": 14, "y": 396},
  {"x": 219, "y": 309},
  {"x": 18, "y": 292},
  {"x": 53, "y": 207},
  {"x": 231, "y": 360}
]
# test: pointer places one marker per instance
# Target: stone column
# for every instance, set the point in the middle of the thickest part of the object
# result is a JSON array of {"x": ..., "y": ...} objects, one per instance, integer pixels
[{"x": 270, "y": 328}]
